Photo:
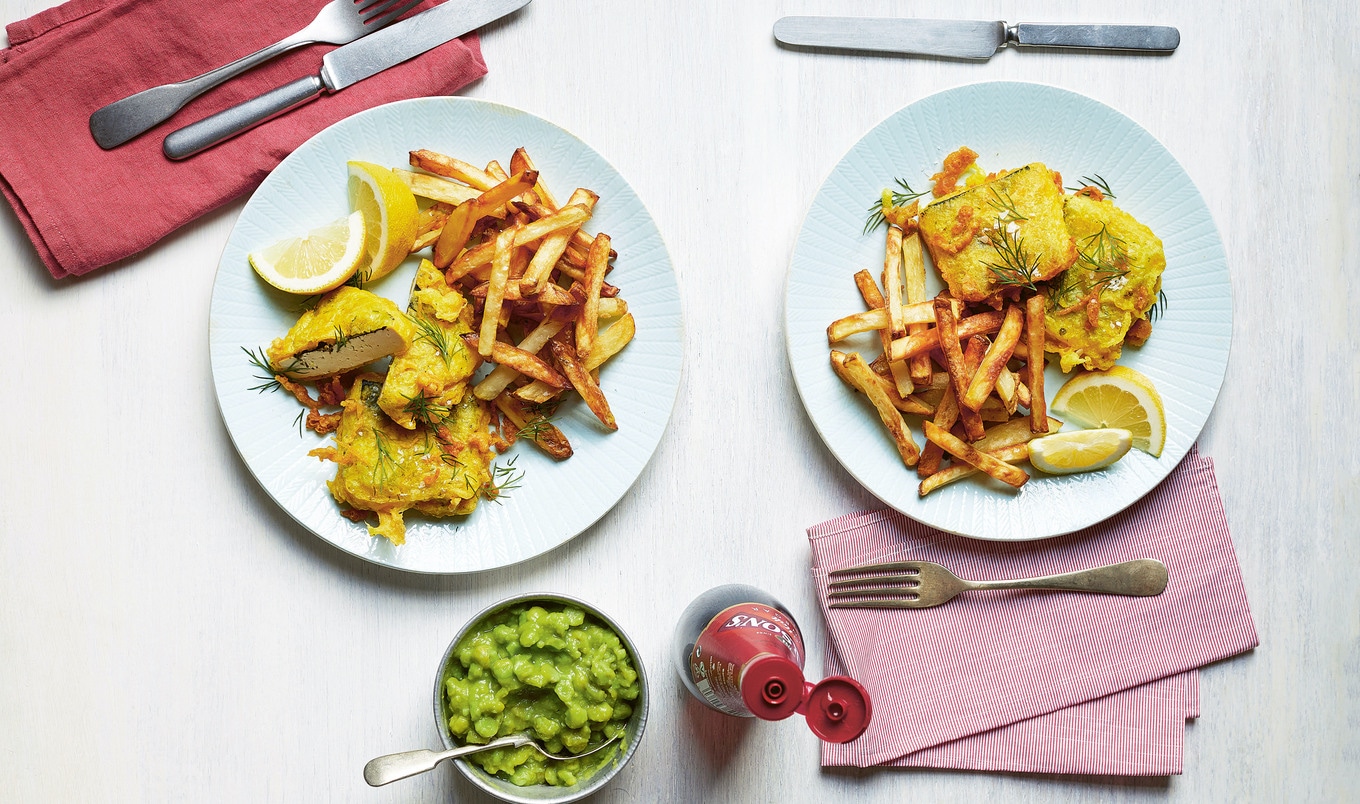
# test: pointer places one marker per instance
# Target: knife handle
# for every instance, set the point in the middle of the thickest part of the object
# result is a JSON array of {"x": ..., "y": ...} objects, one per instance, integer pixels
[
  {"x": 228, "y": 123},
  {"x": 1153, "y": 38}
]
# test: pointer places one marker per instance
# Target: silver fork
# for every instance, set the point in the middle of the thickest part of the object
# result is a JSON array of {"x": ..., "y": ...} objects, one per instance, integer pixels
[
  {"x": 922, "y": 584},
  {"x": 338, "y": 22},
  {"x": 390, "y": 768}
]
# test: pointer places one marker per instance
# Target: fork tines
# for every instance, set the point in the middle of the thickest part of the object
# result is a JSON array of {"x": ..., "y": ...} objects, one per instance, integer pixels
[{"x": 886, "y": 585}]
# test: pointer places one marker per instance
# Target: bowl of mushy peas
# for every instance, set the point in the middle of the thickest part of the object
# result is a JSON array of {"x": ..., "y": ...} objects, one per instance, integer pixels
[{"x": 554, "y": 668}]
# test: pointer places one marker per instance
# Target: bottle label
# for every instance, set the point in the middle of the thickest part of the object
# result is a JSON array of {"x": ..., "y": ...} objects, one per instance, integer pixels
[{"x": 730, "y": 641}]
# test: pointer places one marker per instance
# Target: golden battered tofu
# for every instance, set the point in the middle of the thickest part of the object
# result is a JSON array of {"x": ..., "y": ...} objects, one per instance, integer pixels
[
  {"x": 348, "y": 329},
  {"x": 433, "y": 374},
  {"x": 1115, "y": 282},
  {"x": 438, "y": 471},
  {"x": 1006, "y": 232}
]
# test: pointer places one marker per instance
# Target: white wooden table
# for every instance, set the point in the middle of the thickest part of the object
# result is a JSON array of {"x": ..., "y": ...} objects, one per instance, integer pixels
[{"x": 168, "y": 634}]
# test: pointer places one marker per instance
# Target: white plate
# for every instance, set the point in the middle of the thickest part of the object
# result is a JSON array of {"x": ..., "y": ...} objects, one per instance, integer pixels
[
  {"x": 1009, "y": 125},
  {"x": 555, "y": 501}
]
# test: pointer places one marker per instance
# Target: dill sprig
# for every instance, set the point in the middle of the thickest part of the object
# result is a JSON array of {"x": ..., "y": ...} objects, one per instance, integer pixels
[
  {"x": 1104, "y": 256},
  {"x": 503, "y": 479},
  {"x": 535, "y": 428},
  {"x": 1005, "y": 207},
  {"x": 426, "y": 411},
  {"x": 1159, "y": 309},
  {"x": 891, "y": 198},
  {"x": 1096, "y": 181},
  {"x": 436, "y": 336},
  {"x": 386, "y": 464},
  {"x": 269, "y": 379},
  {"x": 1016, "y": 268}
]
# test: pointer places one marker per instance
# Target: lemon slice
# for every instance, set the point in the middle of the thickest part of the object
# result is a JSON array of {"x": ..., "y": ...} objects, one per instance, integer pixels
[
  {"x": 321, "y": 260},
  {"x": 1079, "y": 451},
  {"x": 1120, "y": 397},
  {"x": 390, "y": 215}
]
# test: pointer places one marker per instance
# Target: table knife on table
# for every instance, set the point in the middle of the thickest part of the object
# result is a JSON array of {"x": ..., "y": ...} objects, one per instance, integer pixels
[
  {"x": 342, "y": 67},
  {"x": 965, "y": 39}
]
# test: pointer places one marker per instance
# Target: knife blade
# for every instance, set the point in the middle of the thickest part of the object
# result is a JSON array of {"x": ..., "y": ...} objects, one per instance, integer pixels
[
  {"x": 343, "y": 67},
  {"x": 965, "y": 39}
]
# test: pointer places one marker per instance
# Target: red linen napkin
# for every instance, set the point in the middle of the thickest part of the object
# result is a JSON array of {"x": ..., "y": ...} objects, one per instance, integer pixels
[
  {"x": 1041, "y": 681},
  {"x": 84, "y": 207}
]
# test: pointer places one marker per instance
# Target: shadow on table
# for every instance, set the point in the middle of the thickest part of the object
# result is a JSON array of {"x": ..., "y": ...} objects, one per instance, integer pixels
[{"x": 1151, "y": 783}]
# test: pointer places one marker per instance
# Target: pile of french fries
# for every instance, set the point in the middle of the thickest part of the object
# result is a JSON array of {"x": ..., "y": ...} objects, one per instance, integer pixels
[
  {"x": 973, "y": 377},
  {"x": 536, "y": 281}
]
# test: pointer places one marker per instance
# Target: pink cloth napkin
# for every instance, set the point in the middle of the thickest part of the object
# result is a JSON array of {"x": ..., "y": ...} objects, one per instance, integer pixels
[
  {"x": 84, "y": 207},
  {"x": 1037, "y": 681}
]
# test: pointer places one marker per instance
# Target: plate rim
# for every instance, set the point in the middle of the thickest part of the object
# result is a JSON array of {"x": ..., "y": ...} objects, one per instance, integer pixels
[{"x": 789, "y": 335}]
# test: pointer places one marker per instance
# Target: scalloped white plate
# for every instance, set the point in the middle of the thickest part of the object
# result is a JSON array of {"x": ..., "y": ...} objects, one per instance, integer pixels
[
  {"x": 1009, "y": 125},
  {"x": 555, "y": 501}
]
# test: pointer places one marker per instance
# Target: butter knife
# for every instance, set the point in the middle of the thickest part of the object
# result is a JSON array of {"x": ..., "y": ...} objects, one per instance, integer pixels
[
  {"x": 965, "y": 39},
  {"x": 342, "y": 67}
]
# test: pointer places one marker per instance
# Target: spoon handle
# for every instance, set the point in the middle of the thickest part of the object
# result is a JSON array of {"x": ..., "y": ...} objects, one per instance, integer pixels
[{"x": 390, "y": 768}]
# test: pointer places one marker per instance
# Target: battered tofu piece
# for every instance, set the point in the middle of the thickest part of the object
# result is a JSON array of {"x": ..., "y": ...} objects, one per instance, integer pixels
[
  {"x": 970, "y": 232},
  {"x": 389, "y": 470},
  {"x": 433, "y": 374},
  {"x": 1114, "y": 283},
  {"x": 348, "y": 329}
]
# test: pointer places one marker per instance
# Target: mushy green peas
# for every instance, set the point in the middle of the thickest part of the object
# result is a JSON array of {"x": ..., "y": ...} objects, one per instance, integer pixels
[{"x": 557, "y": 675}]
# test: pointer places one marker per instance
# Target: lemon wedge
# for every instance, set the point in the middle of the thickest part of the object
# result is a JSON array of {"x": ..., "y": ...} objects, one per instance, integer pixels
[
  {"x": 390, "y": 217},
  {"x": 321, "y": 260},
  {"x": 1119, "y": 397},
  {"x": 1079, "y": 451}
]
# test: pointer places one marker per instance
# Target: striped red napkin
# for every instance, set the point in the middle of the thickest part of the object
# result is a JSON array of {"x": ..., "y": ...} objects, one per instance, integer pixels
[
  {"x": 84, "y": 207},
  {"x": 1041, "y": 682}
]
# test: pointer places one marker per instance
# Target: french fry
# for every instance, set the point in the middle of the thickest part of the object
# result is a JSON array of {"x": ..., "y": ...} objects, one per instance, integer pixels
[
  {"x": 584, "y": 384},
  {"x": 959, "y": 373},
  {"x": 536, "y": 428},
  {"x": 946, "y": 414},
  {"x": 922, "y": 342},
  {"x": 984, "y": 380},
  {"x": 520, "y": 161},
  {"x": 863, "y": 378},
  {"x": 500, "y": 275},
  {"x": 567, "y": 217},
  {"x": 914, "y": 288},
  {"x": 969, "y": 454},
  {"x": 436, "y": 188},
  {"x": 1034, "y": 345},
  {"x": 611, "y": 341},
  {"x": 907, "y": 404},
  {"x": 529, "y": 365},
  {"x": 550, "y": 250},
  {"x": 1011, "y": 454},
  {"x": 494, "y": 383},
  {"x": 892, "y": 281},
  {"x": 465, "y": 216},
  {"x": 442, "y": 165},
  {"x": 868, "y": 290},
  {"x": 589, "y": 323},
  {"x": 866, "y": 321}
]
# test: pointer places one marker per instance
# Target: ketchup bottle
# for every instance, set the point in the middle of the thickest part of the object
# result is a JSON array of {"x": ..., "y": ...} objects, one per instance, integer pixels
[{"x": 738, "y": 650}]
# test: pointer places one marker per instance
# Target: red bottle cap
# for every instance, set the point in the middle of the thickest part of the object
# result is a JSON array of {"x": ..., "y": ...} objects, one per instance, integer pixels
[
  {"x": 837, "y": 709},
  {"x": 772, "y": 687}
]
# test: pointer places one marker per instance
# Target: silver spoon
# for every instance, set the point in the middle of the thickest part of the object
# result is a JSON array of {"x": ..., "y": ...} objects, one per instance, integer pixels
[{"x": 392, "y": 767}]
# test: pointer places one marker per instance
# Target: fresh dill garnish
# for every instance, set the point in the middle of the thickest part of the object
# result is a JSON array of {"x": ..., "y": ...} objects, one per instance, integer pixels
[
  {"x": 1005, "y": 207},
  {"x": 386, "y": 464},
  {"x": 426, "y": 411},
  {"x": 1159, "y": 309},
  {"x": 891, "y": 198},
  {"x": 301, "y": 422},
  {"x": 535, "y": 428},
  {"x": 269, "y": 379},
  {"x": 1016, "y": 268},
  {"x": 340, "y": 337},
  {"x": 1097, "y": 181},
  {"x": 436, "y": 336},
  {"x": 503, "y": 478}
]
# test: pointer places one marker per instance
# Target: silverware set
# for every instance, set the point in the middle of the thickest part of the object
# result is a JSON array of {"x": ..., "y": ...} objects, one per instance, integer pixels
[{"x": 371, "y": 43}]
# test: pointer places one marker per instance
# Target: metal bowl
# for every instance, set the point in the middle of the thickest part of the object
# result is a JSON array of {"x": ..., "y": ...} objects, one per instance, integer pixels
[{"x": 537, "y": 794}]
